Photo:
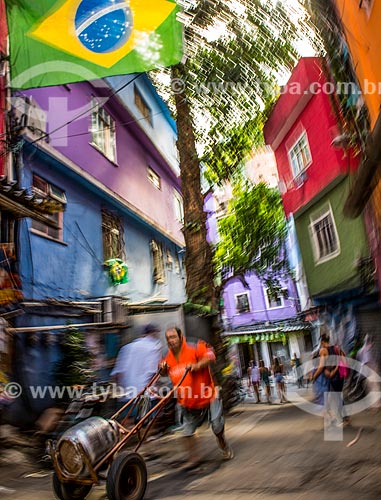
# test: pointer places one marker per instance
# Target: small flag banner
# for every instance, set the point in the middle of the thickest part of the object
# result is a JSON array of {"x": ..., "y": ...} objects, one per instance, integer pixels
[{"x": 118, "y": 271}]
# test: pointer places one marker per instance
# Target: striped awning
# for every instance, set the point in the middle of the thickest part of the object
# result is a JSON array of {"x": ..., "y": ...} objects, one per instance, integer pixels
[{"x": 267, "y": 333}]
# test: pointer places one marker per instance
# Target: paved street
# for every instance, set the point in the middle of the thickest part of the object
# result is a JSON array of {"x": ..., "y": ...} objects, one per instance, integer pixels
[{"x": 280, "y": 454}]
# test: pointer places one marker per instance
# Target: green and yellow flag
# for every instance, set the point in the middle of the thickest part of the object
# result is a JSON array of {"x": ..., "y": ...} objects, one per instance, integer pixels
[{"x": 53, "y": 42}]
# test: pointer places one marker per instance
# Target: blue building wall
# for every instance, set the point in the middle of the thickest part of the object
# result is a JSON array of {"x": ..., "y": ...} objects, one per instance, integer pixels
[{"x": 73, "y": 269}]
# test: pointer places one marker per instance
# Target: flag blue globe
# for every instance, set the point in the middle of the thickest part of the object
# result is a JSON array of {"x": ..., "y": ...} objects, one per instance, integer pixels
[{"x": 103, "y": 26}]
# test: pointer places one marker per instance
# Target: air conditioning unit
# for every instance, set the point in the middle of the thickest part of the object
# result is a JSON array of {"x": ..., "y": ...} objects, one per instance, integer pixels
[
  {"x": 30, "y": 115},
  {"x": 113, "y": 310}
]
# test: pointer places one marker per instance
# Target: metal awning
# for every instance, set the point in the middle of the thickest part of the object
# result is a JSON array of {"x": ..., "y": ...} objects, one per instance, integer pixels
[
  {"x": 267, "y": 333},
  {"x": 22, "y": 204},
  {"x": 19, "y": 210}
]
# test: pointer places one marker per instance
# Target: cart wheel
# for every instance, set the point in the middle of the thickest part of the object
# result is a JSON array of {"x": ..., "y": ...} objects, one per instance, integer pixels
[
  {"x": 67, "y": 491},
  {"x": 127, "y": 477}
]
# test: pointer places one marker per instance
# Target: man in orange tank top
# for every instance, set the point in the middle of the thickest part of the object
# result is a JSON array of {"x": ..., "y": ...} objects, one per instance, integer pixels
[{"x": 197, "y": 396}]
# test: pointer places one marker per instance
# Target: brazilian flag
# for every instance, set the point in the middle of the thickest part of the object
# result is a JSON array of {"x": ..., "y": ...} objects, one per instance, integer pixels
[
  {"x": 118, "y": 271},
  {"x": 53, "y": 42}
]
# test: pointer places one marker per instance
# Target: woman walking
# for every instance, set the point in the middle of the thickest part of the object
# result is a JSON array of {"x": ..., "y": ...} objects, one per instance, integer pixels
[
  {"x": 265, "y": 379},
  {"x": 278, "y": 371}
]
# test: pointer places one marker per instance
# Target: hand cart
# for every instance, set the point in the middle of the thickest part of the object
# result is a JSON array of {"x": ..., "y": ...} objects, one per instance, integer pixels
[{"x": 92, "y": 450}]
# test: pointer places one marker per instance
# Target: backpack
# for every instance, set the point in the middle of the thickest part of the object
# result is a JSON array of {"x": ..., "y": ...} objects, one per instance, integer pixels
[{"x": 343, "y": 367}]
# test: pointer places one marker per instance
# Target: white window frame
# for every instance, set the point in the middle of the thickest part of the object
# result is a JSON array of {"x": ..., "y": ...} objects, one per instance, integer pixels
[
  {"x": 268, "y": 299},
  {"x": 154, "y": 178},
  {"x": 315, "y": 219},
  {"x": 178, "y": 206},
  {"x": 295, "y": 153},
  {"x": 103, "y": 136},
  {"x": 236, "y": 295},
  {"x": 44, "y": 188}
]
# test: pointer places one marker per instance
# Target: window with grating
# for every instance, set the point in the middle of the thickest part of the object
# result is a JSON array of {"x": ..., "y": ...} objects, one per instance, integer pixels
[
  {"x": 158, "y": 273},
  {"x": 113, "y": 236},
  {"x": 42, "y": 188},
  {"x": 324, "y": 237}
]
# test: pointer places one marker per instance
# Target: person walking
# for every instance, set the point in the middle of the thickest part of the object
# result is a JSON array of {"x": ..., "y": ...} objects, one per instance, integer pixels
[
  {"x": 327, "y": 379},
  {"x": 320, "y": 378},
  {"x": 278, "y": 371},
  {"x": 265, "y": 379},
  {"x": 197, "y": 395},
  {"x": 137, "y": 362},
  {"x": 367, "y": 356},
  {"x": 249, "y": 369},
  {"x": 295, "y": 362},
  {"x": 255, "y": 377}
]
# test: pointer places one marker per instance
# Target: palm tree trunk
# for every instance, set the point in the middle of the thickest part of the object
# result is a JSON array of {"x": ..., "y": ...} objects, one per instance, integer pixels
[
  {"x": 200, "y": 285},
  {"x": 198, "y": 257}
]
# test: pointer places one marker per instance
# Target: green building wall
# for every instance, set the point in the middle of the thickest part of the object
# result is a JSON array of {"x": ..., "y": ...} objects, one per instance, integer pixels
[{"x": 339, "y": 273}]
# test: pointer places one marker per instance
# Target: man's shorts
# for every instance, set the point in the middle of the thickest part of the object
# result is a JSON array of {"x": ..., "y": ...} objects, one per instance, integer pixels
[{"x": 194, "y": 418}]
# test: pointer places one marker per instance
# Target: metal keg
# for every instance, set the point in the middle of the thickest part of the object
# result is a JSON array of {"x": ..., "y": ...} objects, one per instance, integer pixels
[{"x": 96, "y": 435}]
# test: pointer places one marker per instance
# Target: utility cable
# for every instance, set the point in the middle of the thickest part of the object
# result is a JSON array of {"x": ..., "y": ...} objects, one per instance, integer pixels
[{"x": 86, "y": 111}]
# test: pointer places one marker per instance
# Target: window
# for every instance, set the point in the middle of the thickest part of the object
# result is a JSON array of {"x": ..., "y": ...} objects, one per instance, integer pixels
[
  {"x": 7, "y": 228},
  {"x": 324, "y": 235},
  {"x": 177, "y": 264},
  {"x": 113, "y": 236},
  {"x": 41, "y": 187},
  {"x": 169, "y": 260},
  {"x": 157, "y": 262},
  {"x": 300, "y": 155},
  {"x": 273, "y": 300},
  {"x": 179, "y": 207},
  {"x": 142, "y": 106},
  {"x": 103, "y": 131},
  {"x": 242, "y": 303},
  {"x": 154, "y": 178},
  {"x": 176, "y": 153}
]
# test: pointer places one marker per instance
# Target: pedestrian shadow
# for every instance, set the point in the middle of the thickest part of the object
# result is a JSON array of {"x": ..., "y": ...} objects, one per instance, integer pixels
[{"x": 180, "y": 478}]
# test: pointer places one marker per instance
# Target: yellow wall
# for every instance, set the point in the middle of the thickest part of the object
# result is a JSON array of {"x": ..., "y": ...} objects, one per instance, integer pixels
[{"x": 363, "y": 35}]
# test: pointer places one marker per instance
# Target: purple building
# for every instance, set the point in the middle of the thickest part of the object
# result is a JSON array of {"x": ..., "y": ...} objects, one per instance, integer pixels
[{"x": 260, "y": 325}]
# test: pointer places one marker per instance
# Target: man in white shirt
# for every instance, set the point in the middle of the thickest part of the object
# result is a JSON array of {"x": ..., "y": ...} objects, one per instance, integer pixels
[{"x": 137, "y": 362}]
